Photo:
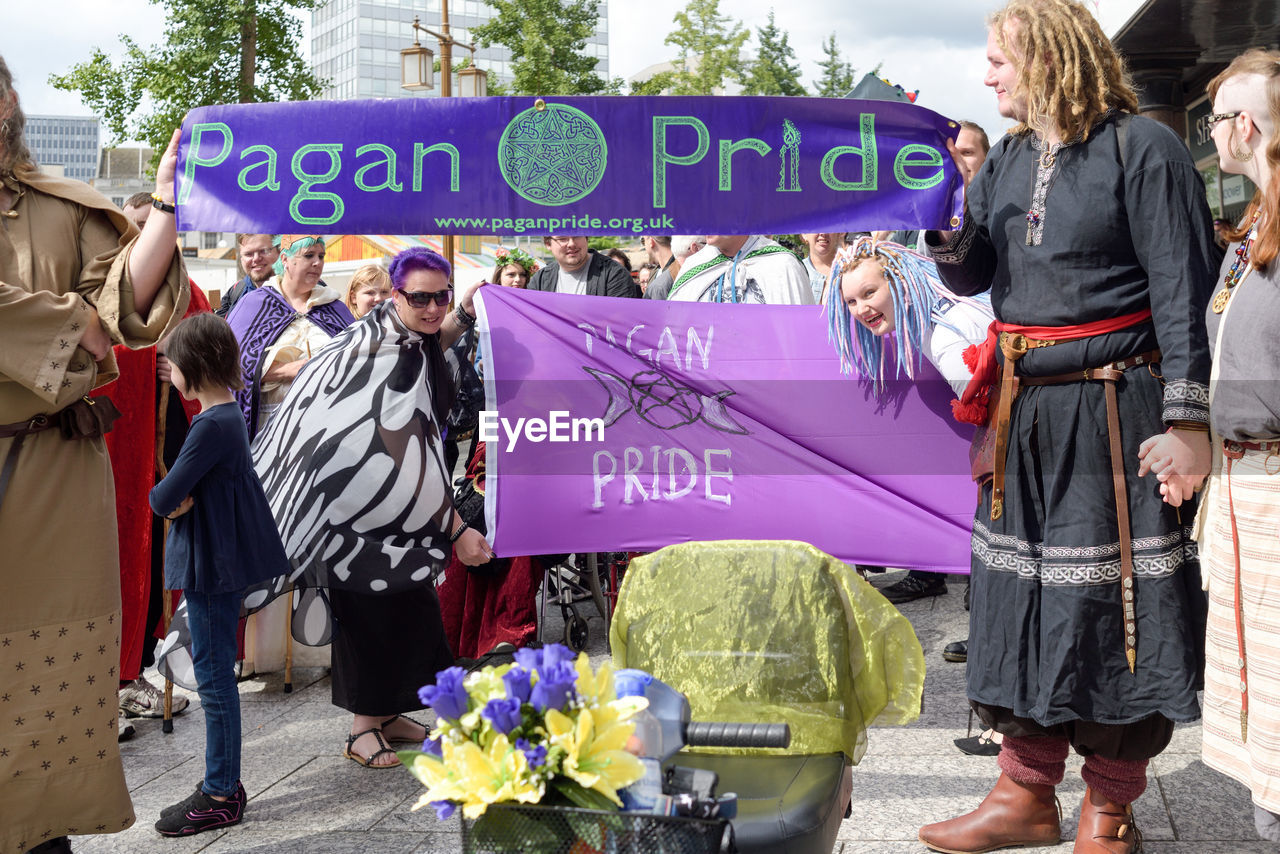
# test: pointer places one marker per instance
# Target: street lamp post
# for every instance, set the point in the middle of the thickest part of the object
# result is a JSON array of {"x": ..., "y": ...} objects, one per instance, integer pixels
[{"x": 416, "y": 72}]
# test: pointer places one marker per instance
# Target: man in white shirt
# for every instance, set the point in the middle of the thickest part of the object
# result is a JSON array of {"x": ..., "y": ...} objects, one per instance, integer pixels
[{"x": 743, "y": 269}]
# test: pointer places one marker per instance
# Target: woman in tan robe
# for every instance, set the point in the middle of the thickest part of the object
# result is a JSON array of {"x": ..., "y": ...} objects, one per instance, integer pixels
[{"x": 75, "y": 277}]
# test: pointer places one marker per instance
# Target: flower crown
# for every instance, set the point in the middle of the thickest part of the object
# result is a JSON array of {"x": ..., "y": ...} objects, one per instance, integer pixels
[{"x": 516, "y": 256}]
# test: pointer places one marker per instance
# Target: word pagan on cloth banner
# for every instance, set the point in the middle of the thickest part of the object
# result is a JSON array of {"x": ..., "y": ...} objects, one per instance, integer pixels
[
  {"x": 610, "y": 165},
  {"x": 619, "y": 424}
]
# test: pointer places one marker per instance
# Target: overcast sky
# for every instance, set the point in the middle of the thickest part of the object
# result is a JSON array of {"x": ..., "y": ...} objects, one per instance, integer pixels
[{"x": 936, "y": 47}]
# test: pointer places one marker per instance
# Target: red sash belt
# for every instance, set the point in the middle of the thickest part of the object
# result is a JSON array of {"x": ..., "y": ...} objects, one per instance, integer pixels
[{"x": 972, "y": 407}]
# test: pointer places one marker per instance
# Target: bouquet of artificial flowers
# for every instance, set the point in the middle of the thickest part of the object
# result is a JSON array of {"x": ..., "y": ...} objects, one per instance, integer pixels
[{"x": 545, "y": 729}]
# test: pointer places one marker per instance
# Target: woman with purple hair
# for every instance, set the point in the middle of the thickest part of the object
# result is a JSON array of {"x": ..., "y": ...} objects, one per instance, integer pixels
[{"x": 353, "y": 468}]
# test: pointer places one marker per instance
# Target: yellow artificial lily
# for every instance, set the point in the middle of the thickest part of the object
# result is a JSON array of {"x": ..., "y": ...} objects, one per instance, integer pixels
[
  {"x": 594, "y": 756},
  {"x": 435, "y": 775},
  {"x": 487, "y": 777},
  {"x": 596, "y": 689}
]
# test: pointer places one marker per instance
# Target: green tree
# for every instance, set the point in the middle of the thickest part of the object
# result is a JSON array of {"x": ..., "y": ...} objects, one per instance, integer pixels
[
  {"x": 214, "y": 52},
  {"x": 547, "y": 40},
  {"x": 709, "y": 44},
  {"x": 837, "y": 76},
  {"x": 775, "y": 70}
]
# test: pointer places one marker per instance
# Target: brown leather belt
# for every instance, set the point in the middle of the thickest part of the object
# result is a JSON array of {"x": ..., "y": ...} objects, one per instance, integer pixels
[
  {"x": 1014, "y": 347},
  {"x": 87, "y": 417}
]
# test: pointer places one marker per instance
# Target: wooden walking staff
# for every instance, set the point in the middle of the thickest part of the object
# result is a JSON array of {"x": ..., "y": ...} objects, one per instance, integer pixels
[
  {"x": 162, "y": 408},
  {"x": 288, "y": 619},
  {"x": 288, "y": 643}
]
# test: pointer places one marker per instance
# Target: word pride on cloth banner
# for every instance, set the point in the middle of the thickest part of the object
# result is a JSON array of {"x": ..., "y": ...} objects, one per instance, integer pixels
[
  {"x": 617, "y": 424},
  {"x": 567, "y": 166}
]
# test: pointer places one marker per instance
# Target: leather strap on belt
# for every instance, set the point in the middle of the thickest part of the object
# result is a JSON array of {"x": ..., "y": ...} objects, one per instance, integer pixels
[
  {"x": 18, "y": 432},
  {"x": 1232, "y": 451},
  {"x": 1014, "y": 347}
]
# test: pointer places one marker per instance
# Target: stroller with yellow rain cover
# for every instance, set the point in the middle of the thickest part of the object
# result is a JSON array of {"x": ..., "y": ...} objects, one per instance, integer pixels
[{"x": 773, "y": 632}]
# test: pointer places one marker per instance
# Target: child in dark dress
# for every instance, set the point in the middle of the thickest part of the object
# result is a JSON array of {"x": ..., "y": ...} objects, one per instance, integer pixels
[{"x": 222, "y": 540}]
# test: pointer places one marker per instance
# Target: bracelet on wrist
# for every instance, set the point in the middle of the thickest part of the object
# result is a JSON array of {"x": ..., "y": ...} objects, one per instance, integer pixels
[
  {"x": 453, "y": 538},
  {"x": 160, "y": 204},
  {"x": 467, "y": 320}
]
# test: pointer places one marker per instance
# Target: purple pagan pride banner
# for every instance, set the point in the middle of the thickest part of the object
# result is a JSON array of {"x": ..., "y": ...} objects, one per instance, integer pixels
[
  {"x": 511, "y": 166},
  {"x": 647, "y": 423}
]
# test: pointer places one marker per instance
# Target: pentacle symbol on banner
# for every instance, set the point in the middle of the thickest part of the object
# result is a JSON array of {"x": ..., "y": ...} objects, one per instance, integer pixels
[
  {"x": 663, "y": 403},
  {"x": 553, "y": 156}
]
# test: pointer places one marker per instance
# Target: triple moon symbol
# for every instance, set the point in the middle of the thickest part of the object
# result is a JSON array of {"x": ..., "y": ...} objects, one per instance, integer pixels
[{"x": 553, "y": 156}]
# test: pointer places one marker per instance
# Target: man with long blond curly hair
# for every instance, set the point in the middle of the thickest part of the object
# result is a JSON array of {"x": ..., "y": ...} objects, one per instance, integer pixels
[{"x": 1088, "y": 225}]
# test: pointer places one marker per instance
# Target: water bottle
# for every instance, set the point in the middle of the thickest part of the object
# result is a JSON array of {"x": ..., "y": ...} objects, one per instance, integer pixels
[{"x": 643, "y": 795}]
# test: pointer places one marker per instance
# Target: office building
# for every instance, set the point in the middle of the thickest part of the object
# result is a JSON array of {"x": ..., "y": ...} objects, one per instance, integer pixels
[
  {"x": 355, "y": 44},
  {"x": 69, "y": 142}
]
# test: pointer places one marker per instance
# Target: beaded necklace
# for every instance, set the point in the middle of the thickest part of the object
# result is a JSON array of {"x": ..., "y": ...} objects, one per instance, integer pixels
[{"x": 1238, "y": 267}]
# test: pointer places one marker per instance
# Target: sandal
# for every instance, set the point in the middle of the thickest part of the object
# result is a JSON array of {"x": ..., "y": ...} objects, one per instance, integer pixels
[
  {"x": 389, "y": 721},
  {"x": 368, "y": 761}
]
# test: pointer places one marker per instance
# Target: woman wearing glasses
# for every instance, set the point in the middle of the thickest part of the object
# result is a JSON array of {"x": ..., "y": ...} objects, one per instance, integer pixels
[
  {"x": 1240, "y": 522},
  {"x": 353, "y": 467}
]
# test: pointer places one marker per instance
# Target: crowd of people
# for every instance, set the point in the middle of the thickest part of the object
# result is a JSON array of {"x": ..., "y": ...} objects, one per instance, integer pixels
[{"x": 1079, "y": 312}]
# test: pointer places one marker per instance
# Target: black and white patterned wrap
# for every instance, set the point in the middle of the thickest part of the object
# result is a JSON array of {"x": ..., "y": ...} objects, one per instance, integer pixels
[{"x": 352, "y": 465}]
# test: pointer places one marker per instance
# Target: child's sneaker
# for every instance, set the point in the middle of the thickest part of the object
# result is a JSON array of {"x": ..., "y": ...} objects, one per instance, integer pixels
[{"x": 199, "y": 812}]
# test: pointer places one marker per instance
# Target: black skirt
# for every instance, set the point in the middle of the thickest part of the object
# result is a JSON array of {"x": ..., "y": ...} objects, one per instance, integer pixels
[
  {"x": 385, "y": 648},
  {"x": 1046, "y": 622}
]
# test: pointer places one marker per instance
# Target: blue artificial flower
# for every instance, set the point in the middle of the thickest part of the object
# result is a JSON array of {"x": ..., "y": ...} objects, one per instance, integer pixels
[
  {"x": 503, "y": 713},
  {"x": 432, "y": 746},
  {"x": 528, "y": 658},
  {"x": 545, "y": 657},
  {"x": 444, "y": 809},
  {"x": 557, "y": 653},
  {"x": 555, "y": 686},
  {"x": 536, "y": 756},
  {"x": 447, "y": 697},
  {"x": 518, "y": 682}
]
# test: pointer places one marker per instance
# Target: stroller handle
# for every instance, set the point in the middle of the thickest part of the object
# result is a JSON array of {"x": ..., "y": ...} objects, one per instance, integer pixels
[{"x": 708, "y": 734}]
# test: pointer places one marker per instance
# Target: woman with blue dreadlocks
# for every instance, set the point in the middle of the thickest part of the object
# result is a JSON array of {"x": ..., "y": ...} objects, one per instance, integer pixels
[
  {"x": 886, "y": 288},
  {"x": 878, "y": 288}
]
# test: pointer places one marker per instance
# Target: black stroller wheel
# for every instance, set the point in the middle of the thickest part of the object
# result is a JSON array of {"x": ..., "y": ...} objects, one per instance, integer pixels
[{"x": 575, "y": 633}]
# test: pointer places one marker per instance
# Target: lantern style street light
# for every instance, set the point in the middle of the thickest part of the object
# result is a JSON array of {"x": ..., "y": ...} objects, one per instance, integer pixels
[{"x": 416, "y": 67}]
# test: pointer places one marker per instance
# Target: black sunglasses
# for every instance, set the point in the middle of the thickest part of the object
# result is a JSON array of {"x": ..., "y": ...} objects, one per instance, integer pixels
[{"x": 422, "y": 299}]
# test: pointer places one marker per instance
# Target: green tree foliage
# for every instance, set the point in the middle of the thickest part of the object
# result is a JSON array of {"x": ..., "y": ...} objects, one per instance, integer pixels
[
  {"x": 547, "y": 40},
  {"x": 775, "y": 70},
  {"x": 214, "y": 52},
  {"x": 837, "y": 76},
  {"x": 709, "y": 44}
]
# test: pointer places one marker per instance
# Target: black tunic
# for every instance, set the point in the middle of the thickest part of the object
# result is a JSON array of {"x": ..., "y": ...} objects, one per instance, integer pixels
[{"x": 1122, "y": 233}]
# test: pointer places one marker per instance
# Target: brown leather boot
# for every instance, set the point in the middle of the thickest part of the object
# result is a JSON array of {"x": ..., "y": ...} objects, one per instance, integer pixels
[
  {"x": 1106, "y": 827},
  {"x": 1012, "y": 814}
]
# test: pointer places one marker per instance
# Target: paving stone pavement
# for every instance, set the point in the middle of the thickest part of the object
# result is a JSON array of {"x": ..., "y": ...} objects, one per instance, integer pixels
[{"x": 305, "y": 797}]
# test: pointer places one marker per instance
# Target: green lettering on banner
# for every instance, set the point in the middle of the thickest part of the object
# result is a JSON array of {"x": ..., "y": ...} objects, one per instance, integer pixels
[
  {"x": 867, "y": 132},
  {"x": 309, "y": 180},
  {"x": 933, "y": 158},
  {"x": 268, "y": 183},
  {"x": 661, "y": 157},
  {"x": 388, "y": 162},
  {"x": 729, "y": 147},
  {"x": 193, "y": 154},
  {"x": 420, "y": 151}
]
